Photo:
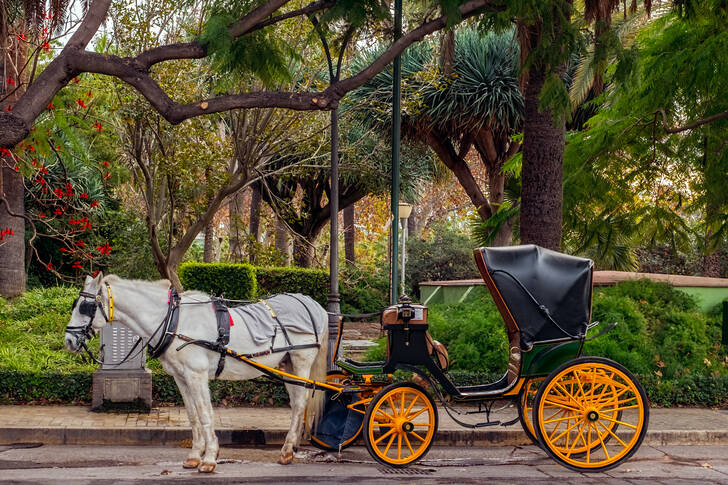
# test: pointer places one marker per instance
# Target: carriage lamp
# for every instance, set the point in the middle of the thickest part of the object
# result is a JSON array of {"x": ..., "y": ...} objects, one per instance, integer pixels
[{"x": 405, "y": 210}]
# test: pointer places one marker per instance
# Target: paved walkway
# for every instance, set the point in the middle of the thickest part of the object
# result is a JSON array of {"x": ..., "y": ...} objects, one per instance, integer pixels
[{"x": 53, "y": 425}]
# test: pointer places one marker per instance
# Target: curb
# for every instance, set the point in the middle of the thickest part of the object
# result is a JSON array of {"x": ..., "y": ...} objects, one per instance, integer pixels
[{"x": 257, "y": 437}]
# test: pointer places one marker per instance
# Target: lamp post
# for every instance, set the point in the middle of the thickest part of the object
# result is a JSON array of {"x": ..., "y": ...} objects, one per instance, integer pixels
[
  {"x": 405, "y": 210},
  {"x": 396, "y": 124}
]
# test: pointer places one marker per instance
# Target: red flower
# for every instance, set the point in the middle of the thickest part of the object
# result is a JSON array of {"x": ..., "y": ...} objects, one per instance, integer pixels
[
  {"x": 105, "y": 249},
  {"x": 40, "y": 180},
  {"x": 58, "y": 211},
  {"x": 50, "y": 106},
  {"x": 58, "y": 192},
  {"x": 21, "y": 37},
  {"x": 77, "y": 264},
  {"x": 44, "y": 170},
  {"x": 80, "y": 243},
  {"x": 9, "y": 108},
  {"x": 31, "y": 148},
  {"x": 76, "y": 79},
  {"x": 84, "y": 195},
  {"x": 6, "y": 152},
  {"x": 50, "y": 266},
  {"x": 46, "y": 46},
  {"x": 86, "y": 226},
  {"x": 94, "y": 203},
  {"x": 81, "y": 103},
  {"x": 89, "y": 94},
  {"x": 105, "y": 163},
  {"x": 64, "y": 250},
  {"x": 44, "y": 190},
  {"x": 11, "y": 81},
  {"x": 41, "y": 214},
  {"x": 34, "y": 162},
  {"x": 96, "y": 273},
  {"x": 59, "y": 148},
  {"x": 98, "y": 126}
]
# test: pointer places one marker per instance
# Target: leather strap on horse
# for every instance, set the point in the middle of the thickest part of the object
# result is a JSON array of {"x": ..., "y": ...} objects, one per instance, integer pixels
[
  {"x": 168, "y": 327},
  {"x": 223, "y": 333}
]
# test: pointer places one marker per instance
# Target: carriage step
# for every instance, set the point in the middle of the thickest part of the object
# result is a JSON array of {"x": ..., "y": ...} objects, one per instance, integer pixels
[{"x": 489, "y": 423}]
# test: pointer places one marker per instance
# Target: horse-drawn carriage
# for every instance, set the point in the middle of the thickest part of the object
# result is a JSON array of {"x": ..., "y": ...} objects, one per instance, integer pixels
[{"x": 588, "y": 413}]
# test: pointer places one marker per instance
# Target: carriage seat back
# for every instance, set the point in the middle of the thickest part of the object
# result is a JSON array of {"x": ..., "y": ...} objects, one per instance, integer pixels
[{"x": 414, "y": 316}]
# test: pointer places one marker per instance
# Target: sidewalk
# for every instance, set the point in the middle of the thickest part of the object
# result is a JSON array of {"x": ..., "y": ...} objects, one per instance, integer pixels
[{"x": 77, "y": 425}]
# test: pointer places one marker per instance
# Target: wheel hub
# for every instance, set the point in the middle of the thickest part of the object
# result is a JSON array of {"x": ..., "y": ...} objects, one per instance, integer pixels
[
  {"x": 407, "y": 427},
  {"x": 592, "y": 415}
]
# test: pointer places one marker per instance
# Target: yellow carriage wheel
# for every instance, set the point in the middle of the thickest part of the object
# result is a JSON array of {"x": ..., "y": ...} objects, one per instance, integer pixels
[
  {"x": 590, "y": 414},
  {"x": 525, "y": 410},
  {"x": 400, "y": 424},
  {"x": 525, "y": 406}
]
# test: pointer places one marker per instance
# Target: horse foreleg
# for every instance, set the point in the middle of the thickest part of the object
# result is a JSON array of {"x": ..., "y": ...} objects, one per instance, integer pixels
[
  {"x": 198, "y": 442},
  {"x": 200, "y": 396},
  {"x": 298, "y": 397}
]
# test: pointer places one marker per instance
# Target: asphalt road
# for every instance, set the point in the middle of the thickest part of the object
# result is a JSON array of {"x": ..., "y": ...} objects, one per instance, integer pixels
[{"x": 30, "y": 463}]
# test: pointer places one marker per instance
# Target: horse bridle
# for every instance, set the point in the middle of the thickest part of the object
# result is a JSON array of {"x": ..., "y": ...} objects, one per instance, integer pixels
[{"x": 89, "y": 309}]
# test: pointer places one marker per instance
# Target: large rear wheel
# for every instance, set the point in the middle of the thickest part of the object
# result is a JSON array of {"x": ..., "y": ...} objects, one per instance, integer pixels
[
  {"x": 578, "y": 409},
  {"x": 400, "y": 424}
]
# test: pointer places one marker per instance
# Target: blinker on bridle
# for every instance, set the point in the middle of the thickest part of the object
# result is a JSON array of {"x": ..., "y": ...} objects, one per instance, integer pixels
[{"x": 88, "y": 309}]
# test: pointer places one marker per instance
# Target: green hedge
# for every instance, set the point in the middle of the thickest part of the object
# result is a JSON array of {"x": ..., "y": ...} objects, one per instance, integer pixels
[
  {"x": 236, "y": 281},
  {"x": 312, "y": 282},
  {"x": 18, "y": 387}
]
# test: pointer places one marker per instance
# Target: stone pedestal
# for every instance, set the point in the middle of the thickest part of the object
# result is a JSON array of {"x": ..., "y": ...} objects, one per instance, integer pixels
[{"x": 127, "y": 388}]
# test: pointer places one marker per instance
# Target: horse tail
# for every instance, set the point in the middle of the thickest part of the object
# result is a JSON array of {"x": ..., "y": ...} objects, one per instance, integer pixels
[{"x": 316, "y": 401}]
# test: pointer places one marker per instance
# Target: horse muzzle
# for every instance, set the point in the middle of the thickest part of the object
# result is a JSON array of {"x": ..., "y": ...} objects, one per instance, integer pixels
[{"x": 72, "y": 344}]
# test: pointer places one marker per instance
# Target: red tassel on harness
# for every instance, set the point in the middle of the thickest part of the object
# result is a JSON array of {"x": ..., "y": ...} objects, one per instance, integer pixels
[{"x": 231, "y": 320}]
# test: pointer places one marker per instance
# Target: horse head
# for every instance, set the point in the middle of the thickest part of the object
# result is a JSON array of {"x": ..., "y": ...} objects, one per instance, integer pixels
[{"x": 87, "y": 314}]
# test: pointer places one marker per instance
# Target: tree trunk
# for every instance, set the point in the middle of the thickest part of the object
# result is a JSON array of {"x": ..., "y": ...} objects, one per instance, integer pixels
[
  {"x": 349, "y": 234},
  {"x": 254, "y": 220},
  {"x": 237, "y": 227},
  {"x": 543, "y": 153},
  {"x": 302, "y": 252},
  {"x": 12, "y": 247},
  {"x": 208, "y": 255},
  {"x": 281, "y": 241},
  {"x": 711, "y": 264}
]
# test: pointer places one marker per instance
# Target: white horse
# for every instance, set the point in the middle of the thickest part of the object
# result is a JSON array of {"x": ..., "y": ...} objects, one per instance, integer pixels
[{"x": 142, "y": 306}]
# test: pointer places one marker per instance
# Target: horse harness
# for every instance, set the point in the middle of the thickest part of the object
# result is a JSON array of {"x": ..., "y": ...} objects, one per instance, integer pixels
[{"x": 225, "y": 321}]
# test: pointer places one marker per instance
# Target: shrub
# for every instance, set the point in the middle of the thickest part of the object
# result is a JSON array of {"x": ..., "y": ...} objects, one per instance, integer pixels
[
  {"x": 446, "y": 255},
  {"x": 312, "y": 282},
  {"x": 362, "y": 291},
  {"x": 236, "y": 281}
]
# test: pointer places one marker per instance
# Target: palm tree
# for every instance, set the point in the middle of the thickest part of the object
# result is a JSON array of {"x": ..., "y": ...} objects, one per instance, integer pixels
[
  {"x": 478, "y": 105},
  {"x": 20, "y": 23}
]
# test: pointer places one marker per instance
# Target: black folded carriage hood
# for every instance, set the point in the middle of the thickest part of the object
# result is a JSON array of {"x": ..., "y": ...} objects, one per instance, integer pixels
[{"x": 548, "y": 293}]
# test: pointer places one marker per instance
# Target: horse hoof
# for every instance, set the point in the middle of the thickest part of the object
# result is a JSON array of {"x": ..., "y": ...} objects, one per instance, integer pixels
[
  {"x": 191, "y": 463},
  {"x": 286, "y": 459},
  {"x": 206, "y": 467}
]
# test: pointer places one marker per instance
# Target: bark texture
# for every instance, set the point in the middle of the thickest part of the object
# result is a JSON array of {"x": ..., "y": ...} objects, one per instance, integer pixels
[
  {"x": 237, "y": 227},
  {"x": 543, "y": 154},
  {"x": 12, "y": 248},
  {"x": 254, "y": 220}
]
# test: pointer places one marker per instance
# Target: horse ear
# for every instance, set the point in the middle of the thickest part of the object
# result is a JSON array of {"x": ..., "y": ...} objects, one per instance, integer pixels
[{"x": 98, "y": 278}]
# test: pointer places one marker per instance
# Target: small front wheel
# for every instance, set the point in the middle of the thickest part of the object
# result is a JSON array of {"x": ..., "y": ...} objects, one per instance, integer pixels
[
  {"x": 590, "y": 414},
  {"x": 400, "y": 424},
  {"x": 525, "y": 406}
]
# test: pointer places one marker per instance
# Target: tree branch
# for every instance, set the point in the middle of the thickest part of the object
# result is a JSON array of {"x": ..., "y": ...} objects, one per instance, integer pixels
[{"x": 690, "y": 126}]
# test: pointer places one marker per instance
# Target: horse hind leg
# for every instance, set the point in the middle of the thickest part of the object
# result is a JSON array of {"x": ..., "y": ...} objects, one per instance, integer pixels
[
  {"x": 198, "y": 442},
  {"x": 298, "y": 397}
]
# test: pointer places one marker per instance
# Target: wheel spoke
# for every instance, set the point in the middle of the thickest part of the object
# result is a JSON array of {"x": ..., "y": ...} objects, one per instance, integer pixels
[
  {"x": 565, "y": 431},
  {"x": 588, "y": 442},
  {"x": 379, "y": 410},
  {"x": 621, "y": 423},
  {"x": 564, "y": 406},
  {"x": 376, "y": 441},
  {"x": 410, "y": 417},
  {"x": 391, "y": 440},
  {"x": 576, "y": 440},
  {"x": 566, "y": 418},
  {"x": 417, "y": 436},
  {"x": 604, "y": 447},
  {"x": 411, "y": 404},
  {"x": 604, "y": 410},
  {"x": 399, "y": 446},
  {"x": 609, "y": 430},
  {"x": 391, "y": 403},
  {"x": 409, "y": 445}
]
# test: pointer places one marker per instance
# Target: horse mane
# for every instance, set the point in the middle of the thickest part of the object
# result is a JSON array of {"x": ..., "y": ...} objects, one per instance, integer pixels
[{"x": 160, "y": 283}]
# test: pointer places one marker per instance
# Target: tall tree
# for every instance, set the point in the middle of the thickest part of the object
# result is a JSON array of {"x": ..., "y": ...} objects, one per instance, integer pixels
[{"x": 478, "y": 105}]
